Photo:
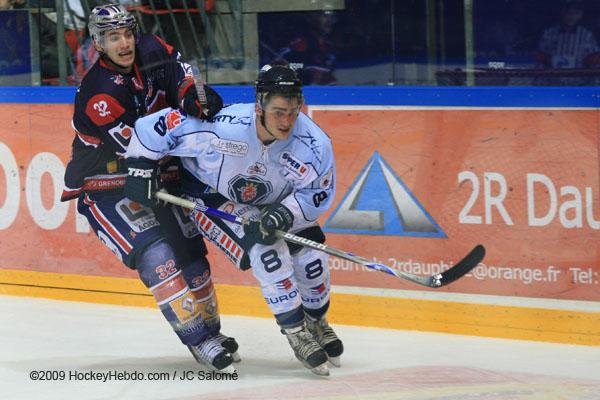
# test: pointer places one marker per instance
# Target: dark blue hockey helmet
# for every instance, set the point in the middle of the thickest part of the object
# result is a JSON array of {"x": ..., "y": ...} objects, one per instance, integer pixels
[{"x": 277, "y": 80}]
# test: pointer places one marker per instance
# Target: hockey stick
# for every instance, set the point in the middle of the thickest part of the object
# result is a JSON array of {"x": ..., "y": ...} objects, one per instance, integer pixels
[
  {"x": 438, "y": 280},
  {"x": 199, "y": 85}
]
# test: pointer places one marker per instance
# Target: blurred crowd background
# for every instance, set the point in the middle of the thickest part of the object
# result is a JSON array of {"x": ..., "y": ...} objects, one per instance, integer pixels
[{"x": 331, "y": 42}]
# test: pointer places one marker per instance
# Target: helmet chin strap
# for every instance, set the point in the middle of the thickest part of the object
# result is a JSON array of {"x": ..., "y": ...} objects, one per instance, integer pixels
[{"x": 264, "y": 124}]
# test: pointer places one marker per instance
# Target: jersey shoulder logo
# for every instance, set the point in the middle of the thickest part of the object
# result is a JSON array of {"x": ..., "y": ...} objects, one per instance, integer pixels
[
  {"x": 103, "y": 109},
  {"x": 174, "y": 119}
]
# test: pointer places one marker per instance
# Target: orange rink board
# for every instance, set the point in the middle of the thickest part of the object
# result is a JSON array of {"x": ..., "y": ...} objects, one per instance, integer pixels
[{"x": 433, "y": 181}]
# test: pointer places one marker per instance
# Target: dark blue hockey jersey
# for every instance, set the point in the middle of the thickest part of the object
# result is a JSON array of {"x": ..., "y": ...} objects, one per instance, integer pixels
[{"x": 108, "y": 103}]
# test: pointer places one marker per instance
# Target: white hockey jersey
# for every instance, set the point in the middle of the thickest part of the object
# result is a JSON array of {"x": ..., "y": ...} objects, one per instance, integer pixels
[{"x": 227, "y": 155}]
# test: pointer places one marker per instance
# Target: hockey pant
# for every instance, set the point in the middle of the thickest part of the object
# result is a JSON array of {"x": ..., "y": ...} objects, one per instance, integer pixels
[
  {"x": 168, "y": 253},
  {"x": 292, "y": 283}
]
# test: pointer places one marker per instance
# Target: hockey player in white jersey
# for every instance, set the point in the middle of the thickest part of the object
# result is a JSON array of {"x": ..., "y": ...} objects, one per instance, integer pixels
[{"x": 272, "y": 164}]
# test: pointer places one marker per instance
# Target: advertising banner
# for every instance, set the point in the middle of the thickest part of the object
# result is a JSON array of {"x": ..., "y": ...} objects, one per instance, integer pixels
[{"x": 417, "y": 188}]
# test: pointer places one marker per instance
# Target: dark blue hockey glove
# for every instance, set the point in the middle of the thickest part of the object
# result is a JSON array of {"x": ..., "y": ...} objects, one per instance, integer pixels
[
  {"x": 275, "y": 217},
  {"x": 190, "y": 102},
  {"x": 142, "y": 180}
]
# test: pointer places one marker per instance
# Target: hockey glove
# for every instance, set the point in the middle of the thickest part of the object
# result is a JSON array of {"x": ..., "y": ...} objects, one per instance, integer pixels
[
  {"x": 191, "y": 104},
  {"x": 275, "y": 217},
  {"x": 142, "y": 180}
]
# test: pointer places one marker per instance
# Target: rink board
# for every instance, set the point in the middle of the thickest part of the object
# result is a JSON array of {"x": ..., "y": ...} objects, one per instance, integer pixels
[{"x": 434, "y": 181}]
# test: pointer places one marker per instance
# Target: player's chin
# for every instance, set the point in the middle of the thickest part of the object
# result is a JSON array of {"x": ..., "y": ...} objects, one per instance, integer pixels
[
  {"x": 284, "y": 134},
  {"x": 126, "y": 61}
]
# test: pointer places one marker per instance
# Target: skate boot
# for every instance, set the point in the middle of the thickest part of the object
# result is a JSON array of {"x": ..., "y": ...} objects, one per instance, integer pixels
[
  {"x": 307, "y": 350},
  {"x": 327, "y": 339},
  {"x": 211, "y": 354},
  {"x": 230, "y": 345}
]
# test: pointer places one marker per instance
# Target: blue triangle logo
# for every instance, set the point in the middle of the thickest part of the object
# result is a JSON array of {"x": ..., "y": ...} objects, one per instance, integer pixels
[{"x": 379, "y": 203}]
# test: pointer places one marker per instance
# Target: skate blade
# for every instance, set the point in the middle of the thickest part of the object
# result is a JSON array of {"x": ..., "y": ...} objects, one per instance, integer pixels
[
  {"x": 335, "y": 361},
  {"x": 230, "y": 369},
  {"x": 236, "y": 357},
  {"x": 321, "y": 370}
]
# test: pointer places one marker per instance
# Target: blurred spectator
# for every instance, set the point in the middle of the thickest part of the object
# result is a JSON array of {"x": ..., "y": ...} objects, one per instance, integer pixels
[
  {"x": 11, "y": 4},
  {"x": 312, "y": 54},
  {"x": 15, "y": 50},
  {"x": 568, "y": 44}
]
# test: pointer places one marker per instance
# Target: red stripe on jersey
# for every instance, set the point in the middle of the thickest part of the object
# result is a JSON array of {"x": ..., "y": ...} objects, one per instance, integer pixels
[
  {"x": 168, "y": 47},
  {"x": 112, "y": 232},
  {"x": 70, "y": 194},
  {"x": 103, "y": 109},
  {"x": 169, "y": 288},
  {"x": 89, "y": 140}
]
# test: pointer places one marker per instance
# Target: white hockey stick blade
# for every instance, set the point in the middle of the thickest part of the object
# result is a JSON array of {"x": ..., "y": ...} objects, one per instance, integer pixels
[{"x": 457, "y": 271}]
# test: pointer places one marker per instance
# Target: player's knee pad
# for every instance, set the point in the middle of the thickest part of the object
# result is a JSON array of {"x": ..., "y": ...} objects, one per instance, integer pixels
[
  {"x": 156, "y": 262},
  {"x": 158, "y": 270},
  {"x": 272, "y": 267},
  {"x": 198, "y": 277},
  {"x": 271, "y": 263},
  {"x": 312, "y": 273}
]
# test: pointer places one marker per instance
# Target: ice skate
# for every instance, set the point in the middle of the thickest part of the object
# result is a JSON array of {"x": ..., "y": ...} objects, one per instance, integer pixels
[
  {"x": 211, "y": 354},
  {"x": 327, "y": 339},
  {"x": 230, "y": 345},
  {"x": 307, "y": 350}
]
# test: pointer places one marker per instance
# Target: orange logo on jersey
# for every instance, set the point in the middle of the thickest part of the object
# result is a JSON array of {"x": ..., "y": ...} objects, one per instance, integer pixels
[{"x": 174, "y": 119}]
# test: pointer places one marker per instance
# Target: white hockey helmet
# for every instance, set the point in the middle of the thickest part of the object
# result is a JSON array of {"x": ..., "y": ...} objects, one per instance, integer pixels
[{"x": 108, "y": 17}]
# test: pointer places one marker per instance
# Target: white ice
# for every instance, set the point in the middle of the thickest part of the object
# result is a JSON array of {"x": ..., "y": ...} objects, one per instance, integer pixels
[{"x": 76, "y": 338}]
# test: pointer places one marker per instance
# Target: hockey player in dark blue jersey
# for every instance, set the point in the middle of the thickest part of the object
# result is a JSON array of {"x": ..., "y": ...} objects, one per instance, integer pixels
[{"x": 137, "y": 74}]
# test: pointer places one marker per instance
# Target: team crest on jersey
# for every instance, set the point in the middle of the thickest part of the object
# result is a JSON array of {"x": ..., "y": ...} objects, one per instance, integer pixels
[
  {"x": 174, "y": 119},
  {"x": 293, "y": 165},
  {"x": 118, "y": 79},
  {"x": 249, "y": 189}
]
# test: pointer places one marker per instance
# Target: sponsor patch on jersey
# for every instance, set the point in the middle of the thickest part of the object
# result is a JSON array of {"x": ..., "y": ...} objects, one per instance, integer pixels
[
  {"x": 294, "y": 166},
  {"x": 233, "y": 119},
  {"x": 326, "y": 180},
  {"x": 174, "y": 119},
  {"x": 103, "y": 109},
  {"x": 139, "y": 218},
  {"x": 121, "y": 134},
  {"x": 230, "y": 147}
]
